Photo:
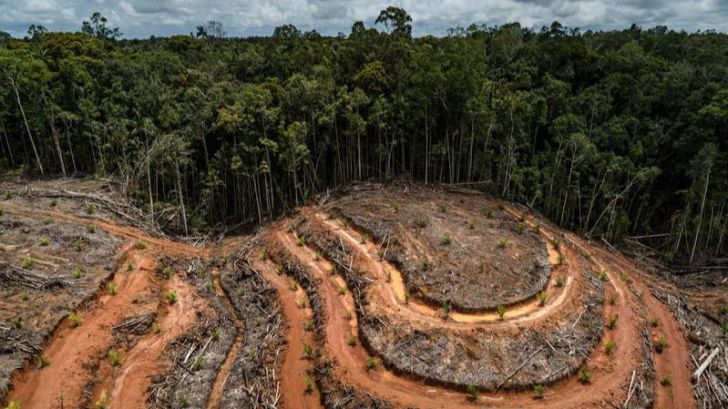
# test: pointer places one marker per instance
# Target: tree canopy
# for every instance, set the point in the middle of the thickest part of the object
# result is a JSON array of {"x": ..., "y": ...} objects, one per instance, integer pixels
[{"x": 616, "y": 134}]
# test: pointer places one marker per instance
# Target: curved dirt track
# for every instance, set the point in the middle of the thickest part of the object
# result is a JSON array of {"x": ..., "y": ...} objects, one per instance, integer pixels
[
  {"x": 78, "y": 356},
  {"x": 611, "y": 374}
]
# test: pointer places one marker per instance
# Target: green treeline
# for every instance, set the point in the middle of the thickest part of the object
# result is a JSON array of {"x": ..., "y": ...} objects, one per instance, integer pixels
[{"x": 615, "y": 134}]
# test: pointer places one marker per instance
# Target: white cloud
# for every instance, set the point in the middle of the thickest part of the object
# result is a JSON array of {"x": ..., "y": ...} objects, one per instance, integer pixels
[{"x": 141, "y": 18}]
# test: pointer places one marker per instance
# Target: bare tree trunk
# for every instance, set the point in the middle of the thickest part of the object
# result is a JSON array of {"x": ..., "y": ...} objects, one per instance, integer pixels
[
  {"x": 10, "y": 150},
  {"x": 179, "y": 195},
  {"x": 57, "y": 144},
  {"x": 700, "y": 220},
  {"x": 27, "y": 127}
]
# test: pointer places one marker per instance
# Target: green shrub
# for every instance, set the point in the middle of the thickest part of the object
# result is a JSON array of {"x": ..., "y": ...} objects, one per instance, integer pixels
[
  {"x": 8, "y": 195},
  {"x": 473, "y": 392},
  {"x": 724, "y": 309},
  {"x": 612, "y": 299},
  {"x": 442, "y": 207},
  {"x": 555, "y": 243},
  {"x": 89, "y": 208},
  {"x": 27, "y": 262},
  {"x": 208, "y": 285},
  {"x": 471, "y": 224},
  {"x": 343, "y": 290},
  {"x": 184, "y": 401},
  {"x": 371, "y": 363},
  {"x": 309, "y": 325},
  {"x": 24, "y": 295},
  {"x": 520, "y": 227},
  {"x": 561, "y": 259},
  {"x": 446, "y": 307},
  {"x": 79, "y": 244},
  {"x": 41, "y": 361},
  {"x": 91, "y": 229},
  {"x": 426, "y": 264},
  {"x": 422, "y": 222},
  {"x": 44, "y": 241},
  {"x": 17, "y": 322},
  {"x": 167, "y": 272},
  {"x": 604, "y": 276},
  {"x": 307, "y": 351},
  {"x": 502, "y": 242},
  {"x": 612, "y": 323},
  {"x": 77, "y": 273},
  {"x": 661, "y": 344},
  {"x": 559, "y": 281},
  {"x": 542, "y": 297},
  {"x": 666, "y": 380},
  {"x": 13, "y": 405},
  {"x": 300, "y": 241},
  {"x": 626, "y": 278},
  {"x": 488, "y": 212},
  {"x": 102, "y": 402},
  {"x": 584, "y": 375},
  {"x": 654, "y": 322},
  {"x": 609, "y": 347},
  {"x": 215, "y": 334},
  {"x": 140, "y": 244},
  {"x": 115, "y": 358},
  {"x": 111, "y": 288},
  {"x": 309, "y": 384},
  {"x": 52, "y": 203},
  {"x": 197, "y": 364},
  {"x": 351, "y": 341},
  {"x": 75, "y": 319},
  {"x": 171, "y": 297},
  {"x": 539, "y": 391},
  {"x": 446, "y": 239},
  {"x": 501, "y": 311}
]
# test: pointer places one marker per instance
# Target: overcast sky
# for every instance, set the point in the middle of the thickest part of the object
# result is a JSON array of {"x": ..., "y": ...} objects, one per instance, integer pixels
[{"x": 142, "y": 18}]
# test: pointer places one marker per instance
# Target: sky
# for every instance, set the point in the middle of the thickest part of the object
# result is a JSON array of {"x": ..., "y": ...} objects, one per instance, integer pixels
[{"x": 142, "y": 18}]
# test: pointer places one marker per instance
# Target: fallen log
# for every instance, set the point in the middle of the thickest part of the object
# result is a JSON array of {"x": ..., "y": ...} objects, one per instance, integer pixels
[{"x": 705, "y": 364}]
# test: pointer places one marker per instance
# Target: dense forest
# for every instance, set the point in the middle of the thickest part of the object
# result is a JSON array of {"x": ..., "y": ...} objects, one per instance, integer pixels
[{"x": 614, "y": 134}]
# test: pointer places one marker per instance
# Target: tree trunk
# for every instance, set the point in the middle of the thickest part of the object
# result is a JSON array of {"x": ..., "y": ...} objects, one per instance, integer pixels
[
  {"x": 179, "y": 194},
  {"x": 27, "y": 127}
]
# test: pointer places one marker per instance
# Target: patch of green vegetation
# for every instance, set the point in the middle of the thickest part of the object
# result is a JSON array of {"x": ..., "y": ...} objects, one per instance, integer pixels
[
  {"x": 88, "y": 208},
  {"x": 471, "y": 224},
  {"x": 91, "y": 229},
  {"x": 79, "y": 244},
  {"x": 446, "y": 308},
  {"x": 111, "y": 288},
  {"x": 351, "y": 341},
  {"x": 422, "y": 222},
  {"x": 17, "y": 322},
  {"x": 115, "y": 358},
  {"x": 612, "y": 299},
  {"x": 446, "y": 239},
  {"x": 77, "y": 273},
  {"x": 140, "y": 244},
  {"x": 473, "y": 392},
  {"x": 215, "y": 334},
  {"x": 24, "y": 295},
  {"x": 309, "y": 384},
  {"x": 197, "y": 364},
  {"x": 609, "y": 347},
  {"x": 661, "y": 344},
  {"x": 167, "y": 272},
  {"x": 264, "y": 254},
  {"x": 539, "y": 390},
  {"x": 666, "y": 380},
  {"x": 654, "y": 322},
  {"x": 41, "y": 361},
  {"x": 542, "y": 298},
  {"x": 501, "y": 311},
  {"x": 300, "y": 241},
  {"x": 184, "y": 401},
  {"x": 559, "y": 281},
  {"x": 307, "y": 351},
  {"x": 343, "y": 290},
  {"x": 102, "y": 402},
  {"x": 171, "y": 297},
  {"x": 371, "y": 363},
  {"x": 8, "y": 195},
  {"x": 585, "y": 375},
  {"x": 75, "y": 319},
  {"x": 309, "y": 325},
  {"x": 612, "y": 323},
  {"x": 426, "y": 264},
  {"x": 44, "y": 241},
  {"x": 13, "y": 405},
  {"x": 27, "y": 263},
  {"x": 502, "y": 242},
  {"x": 52, "y": 202},
  {"x": 442, "y": 207},
  {"x": 604, "y": 276}
]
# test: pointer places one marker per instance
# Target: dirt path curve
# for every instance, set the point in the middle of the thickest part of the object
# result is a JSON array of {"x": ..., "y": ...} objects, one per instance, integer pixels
[
  {"x": 75, "y": 352},
  {"x": 611, "y": 374},
  {"x": 293, "y": 371},
  {"x": 391, "y": 283},
  {"x": 675, "y": 361}
]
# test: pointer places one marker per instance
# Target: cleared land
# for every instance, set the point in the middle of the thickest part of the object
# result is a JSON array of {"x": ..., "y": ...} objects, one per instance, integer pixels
[{"x": 350, "y": 303}]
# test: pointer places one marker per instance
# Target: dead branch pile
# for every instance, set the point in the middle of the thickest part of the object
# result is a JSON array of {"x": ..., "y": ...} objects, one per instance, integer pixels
[
  {"x": 253, "y": 381},
  {"x": 22, "y": 277},
  {"x": 136, "y": 325}
]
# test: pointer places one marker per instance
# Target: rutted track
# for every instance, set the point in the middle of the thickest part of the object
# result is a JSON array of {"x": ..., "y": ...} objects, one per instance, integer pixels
[{"x": 321, "y": 312}]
